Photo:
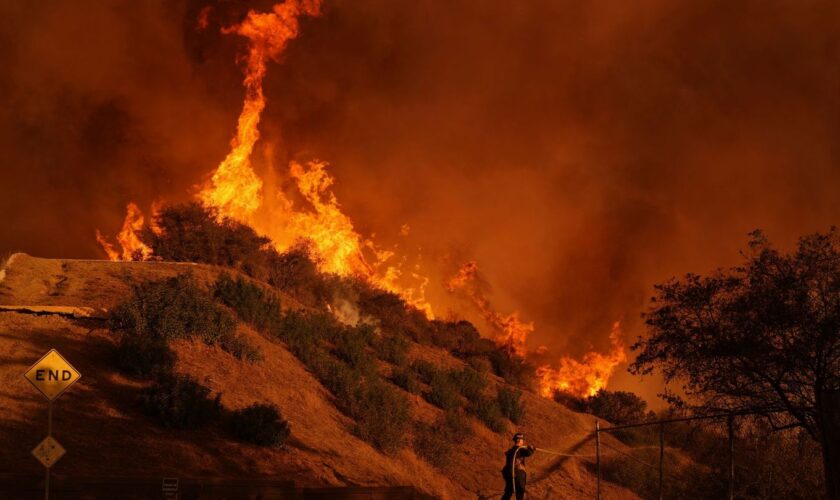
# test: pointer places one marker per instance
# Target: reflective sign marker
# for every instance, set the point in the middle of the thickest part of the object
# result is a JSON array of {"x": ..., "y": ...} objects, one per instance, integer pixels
[
  {"x": 48, "y": 451},
  {"x": 52, "y": 375}
]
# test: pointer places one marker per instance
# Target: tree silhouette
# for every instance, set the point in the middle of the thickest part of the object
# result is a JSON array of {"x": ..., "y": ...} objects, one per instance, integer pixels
[{"x": 761, "y": 336}]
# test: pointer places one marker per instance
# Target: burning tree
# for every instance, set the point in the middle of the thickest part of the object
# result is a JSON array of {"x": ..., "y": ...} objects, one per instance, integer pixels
[{"x": 762, "y": 336}]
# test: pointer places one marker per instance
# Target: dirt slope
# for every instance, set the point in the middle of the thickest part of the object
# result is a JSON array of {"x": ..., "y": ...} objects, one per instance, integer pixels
[{"x": 98, "y": 423}]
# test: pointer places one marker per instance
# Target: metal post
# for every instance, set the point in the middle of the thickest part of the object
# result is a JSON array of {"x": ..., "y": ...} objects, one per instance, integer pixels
[
  {"x": 49, "y": 433},
  {"x": 730, "y": 421},
  {"x": 661, "y": 458},
  {"x": 598, "y": 459}
]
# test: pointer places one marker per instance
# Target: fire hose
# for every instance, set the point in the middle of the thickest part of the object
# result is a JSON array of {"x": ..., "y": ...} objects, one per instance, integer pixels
[{"x": 551, "y": 452}]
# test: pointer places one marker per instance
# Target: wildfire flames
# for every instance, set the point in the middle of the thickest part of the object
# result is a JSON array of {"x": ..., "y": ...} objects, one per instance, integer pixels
[
  {"x": 132, "y": 247},
  {"x": 580, "y": 378},
  {"x": 511, "y": 332},
  {"x": 583, "y": 378},
  {"x": 238, "y": 192}
]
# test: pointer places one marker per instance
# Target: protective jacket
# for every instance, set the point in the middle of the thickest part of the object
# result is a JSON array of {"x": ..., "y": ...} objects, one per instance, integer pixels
[
  {"x": 515, "y": 458},
  {"x": 514, "y": 471}
]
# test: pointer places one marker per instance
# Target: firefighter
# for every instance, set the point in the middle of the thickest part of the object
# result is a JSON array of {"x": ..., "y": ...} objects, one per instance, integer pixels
[{"x": 514, "y": 470}]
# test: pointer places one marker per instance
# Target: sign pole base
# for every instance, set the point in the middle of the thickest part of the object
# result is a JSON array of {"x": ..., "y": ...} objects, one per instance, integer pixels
[{"x": 49, "y": 434}]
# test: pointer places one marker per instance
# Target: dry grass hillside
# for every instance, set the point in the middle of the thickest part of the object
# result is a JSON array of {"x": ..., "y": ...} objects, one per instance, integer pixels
[{"x": 56, "y": 304}]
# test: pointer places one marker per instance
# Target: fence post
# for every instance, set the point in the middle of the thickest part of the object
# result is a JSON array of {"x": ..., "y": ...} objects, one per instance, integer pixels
[
  {"x": 661, "y": 458},
  {"x": 730, "y": 423},
  {"x": 598, "y": 459}
]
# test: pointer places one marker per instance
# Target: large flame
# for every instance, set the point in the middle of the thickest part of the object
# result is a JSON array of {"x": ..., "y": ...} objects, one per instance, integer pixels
[
  {"x": 235, "y": 187},
  {"x": 237, "y": 192}
]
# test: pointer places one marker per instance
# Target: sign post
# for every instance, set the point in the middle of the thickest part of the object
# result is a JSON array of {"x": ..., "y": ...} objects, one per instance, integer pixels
[{"x": 51, "y": 375}]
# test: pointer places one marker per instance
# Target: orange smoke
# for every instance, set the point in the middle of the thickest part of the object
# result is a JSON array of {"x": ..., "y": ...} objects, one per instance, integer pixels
[
  {"x": 580, "y": 378},
  {"x": 586, "y": 377},
  {"x": 510, "y": 330}
]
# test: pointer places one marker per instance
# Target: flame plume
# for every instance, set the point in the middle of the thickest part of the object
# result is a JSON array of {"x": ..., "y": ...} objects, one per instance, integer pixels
[
  {"x": 331, "y": 231},
  {"x": 580, "y": 378},
  {"x": 235, "y": 187},
  {"x": 132, "y": 247},
  {"x": 583, "y": 378},
  {"x": 237, "y": 192}
]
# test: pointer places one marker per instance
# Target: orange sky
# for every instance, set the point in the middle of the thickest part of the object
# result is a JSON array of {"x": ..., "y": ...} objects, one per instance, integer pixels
[{"x": 580, "y": 152}]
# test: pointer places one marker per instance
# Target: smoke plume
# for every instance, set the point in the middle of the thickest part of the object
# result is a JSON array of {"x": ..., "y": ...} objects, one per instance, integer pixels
[{"x": 578, "y": 151}]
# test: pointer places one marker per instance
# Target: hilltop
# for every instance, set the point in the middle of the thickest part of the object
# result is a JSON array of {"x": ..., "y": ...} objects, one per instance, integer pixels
[{"x": 55, "y": 303}]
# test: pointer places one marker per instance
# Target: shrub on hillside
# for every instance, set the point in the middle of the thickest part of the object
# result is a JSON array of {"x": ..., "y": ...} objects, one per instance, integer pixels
[
  {"x": 443, "y": 392},
  {"x": 250, "y": 302},
  {"x": 393, "y": 313},
  {"x": 194, "y": 233},
  {"x": 425, "y": 370},
  {"x": 393, "y": 349},
  {"x": 618, "y": 407},
  {"x": 407, "y": 379},
  {"x": 514, "y": 369},
  {"x": 456, "y": 425},
  {"x": 435, "y": 443},
  {"x": 241, "y": 348},
  {"x": 510, "y": 404},
  {"x": 295, "y": 271},
  {"x": 488, "y": 412},
  {"x": 382, "y": 416},
  {"x": 259, "y": 424},
  {"x": 169, "y": 309},
  {"x": 351, "y": 347},
  {"x": 479, "y": 364},
  {"x": 460, "y": 337},
  {"x": 301, "y": 328},
  {"x": 144, "y": 356},
  {"x": 432, "y": 446},
  {"x": 338, "y": 377},
  {"x": 172, "y": 308},
  {"x": 570, "y": 401},
  {"x": 469, "y": 382},
  {"x": 178, "y": 401}
]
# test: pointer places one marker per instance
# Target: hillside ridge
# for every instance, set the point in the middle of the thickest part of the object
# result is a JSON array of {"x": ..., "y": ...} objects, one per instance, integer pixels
[{"x": 97, "y": 418}]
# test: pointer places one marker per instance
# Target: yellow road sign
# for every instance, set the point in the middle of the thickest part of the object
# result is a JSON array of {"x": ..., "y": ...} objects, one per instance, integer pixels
[
  {"x": 48, "y": 451},
  {"x": 52, "y": 374}
]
